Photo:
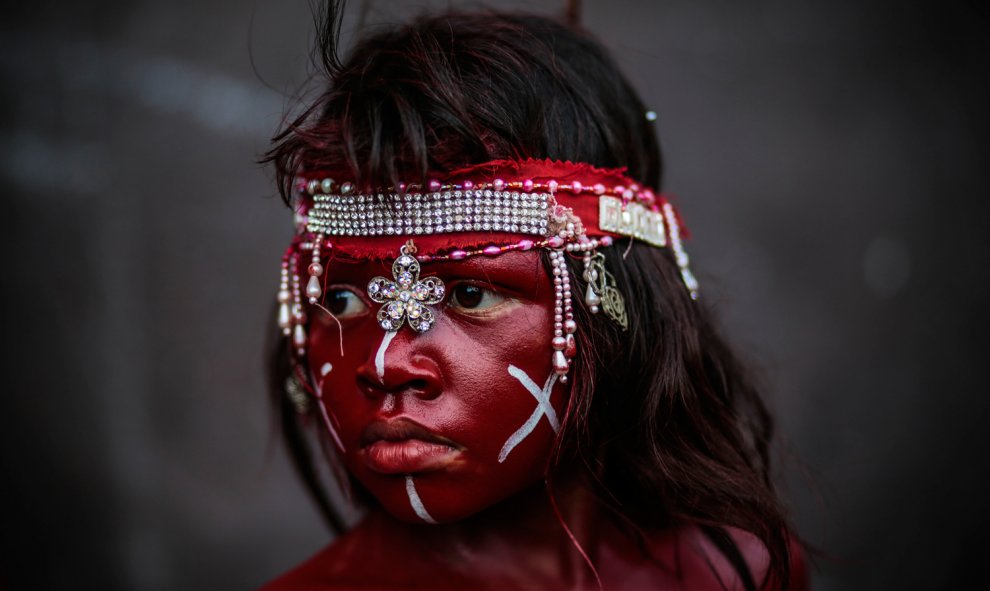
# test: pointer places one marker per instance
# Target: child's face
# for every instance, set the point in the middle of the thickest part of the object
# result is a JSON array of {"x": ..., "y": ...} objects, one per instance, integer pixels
[{"x": 441, "y": 424}]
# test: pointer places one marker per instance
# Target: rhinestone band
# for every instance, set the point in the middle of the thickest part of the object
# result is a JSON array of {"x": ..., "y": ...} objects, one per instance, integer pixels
[{"x": 413, "y": 214}]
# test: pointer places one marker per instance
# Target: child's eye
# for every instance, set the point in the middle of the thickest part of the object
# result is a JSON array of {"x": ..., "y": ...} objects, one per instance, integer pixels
[
  {"x": 344, "y": 303},
  {"x": 473, "y": 297}
]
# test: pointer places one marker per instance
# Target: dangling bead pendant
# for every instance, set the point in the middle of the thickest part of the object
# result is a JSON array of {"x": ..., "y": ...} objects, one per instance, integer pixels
[
  {"x": 679, "y": 254},
  {"x": 564, "y": 327},
  {"x": 313, "y": 290},
  {"x": 298, "y": 314},
  {"x": 313, "y": 287},
  {"x": 284, "y": 297},
  {"x": 601, "y": 292}
]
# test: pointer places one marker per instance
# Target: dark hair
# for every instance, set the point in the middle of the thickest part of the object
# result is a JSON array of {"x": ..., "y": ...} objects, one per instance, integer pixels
[{"x": 663, "y": 418}]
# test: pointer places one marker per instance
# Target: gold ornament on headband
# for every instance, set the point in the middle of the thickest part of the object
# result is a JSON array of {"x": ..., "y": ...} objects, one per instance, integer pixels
[{"x": 602, "y": 291}]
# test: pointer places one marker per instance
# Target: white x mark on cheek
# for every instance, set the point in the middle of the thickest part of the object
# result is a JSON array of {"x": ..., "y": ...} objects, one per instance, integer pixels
[{"x": 543, "y": 408}]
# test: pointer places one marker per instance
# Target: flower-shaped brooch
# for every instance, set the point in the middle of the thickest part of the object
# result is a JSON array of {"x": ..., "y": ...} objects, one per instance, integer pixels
[{"x": 406, "y": 297}]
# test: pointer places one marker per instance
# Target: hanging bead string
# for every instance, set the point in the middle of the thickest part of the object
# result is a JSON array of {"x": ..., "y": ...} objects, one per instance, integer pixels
[
  {"x": 491, "y": 250},
  {"x": 679, "y": 253},
  {"x": 570, "y": 238},
  {"x": 298, "y": 312},
  {"x": 561, "y": 363},
  {"x": 313, "y": 288},
  {"x": 285, "y": 296}
]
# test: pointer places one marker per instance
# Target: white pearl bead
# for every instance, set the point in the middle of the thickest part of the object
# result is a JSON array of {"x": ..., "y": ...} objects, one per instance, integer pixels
[
  {"x": 591, "y": 298},
  {"x": 313, "y": 289},
  {"x": 299, "y": 336}
]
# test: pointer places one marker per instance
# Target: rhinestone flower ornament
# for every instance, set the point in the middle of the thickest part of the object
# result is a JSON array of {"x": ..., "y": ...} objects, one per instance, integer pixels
[{"x": 406, "y": 298}]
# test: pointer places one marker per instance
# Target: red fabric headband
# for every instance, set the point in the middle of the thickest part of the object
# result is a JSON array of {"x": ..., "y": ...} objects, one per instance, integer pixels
[{"x": 576, "y": 186}]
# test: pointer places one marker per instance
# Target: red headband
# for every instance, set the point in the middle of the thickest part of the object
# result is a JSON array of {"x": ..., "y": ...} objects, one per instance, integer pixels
[
  {"x": 484, "y": 209},
  {"x": 576, "y": 186}
]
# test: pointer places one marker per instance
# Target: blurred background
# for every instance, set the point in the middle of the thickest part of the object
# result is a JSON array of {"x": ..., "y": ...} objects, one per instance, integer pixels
[{"x": 830, "y": 158}]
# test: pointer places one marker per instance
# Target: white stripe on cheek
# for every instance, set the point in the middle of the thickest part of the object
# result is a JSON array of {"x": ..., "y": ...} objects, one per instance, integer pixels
[
  {"x": 414, "y": 500},
  {"x": 326, "y": 369},
  {"x": 380, "y": 356}
]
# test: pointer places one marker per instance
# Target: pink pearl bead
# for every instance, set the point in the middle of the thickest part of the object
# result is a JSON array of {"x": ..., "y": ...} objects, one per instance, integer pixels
[
  {"x": 316, "y": 269},
  {"x": 628, "y": 194},
  {"x": 555, "y": 242},
  {"x": 649, "y": 196},
  {"x": 618, "y": 190},
  {"x": 599, "y": 188},
  {"x": 499, "y": 184},
  {"x": 434, "y": 186},
  {"x": 528, "y": 185},
  {"x": 402, "y": 187},
  {"x": 571, "y": 348},
  {"x": 525, "y": 244},
  {"x": 492, "y": 250},
  {"x": 458, "y": 255},
  {"x": 552, "y": 185},
  {"x": 576, "y": 187},
  {"x": 606, "y": 241},
  {"x": 468, "y": 185}
]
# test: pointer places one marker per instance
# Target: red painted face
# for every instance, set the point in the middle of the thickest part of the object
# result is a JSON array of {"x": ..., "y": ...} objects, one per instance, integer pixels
[{"x": 442, "y": 424}]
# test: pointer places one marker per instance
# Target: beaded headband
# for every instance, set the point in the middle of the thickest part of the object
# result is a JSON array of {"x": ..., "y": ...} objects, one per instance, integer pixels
[{"x": 566, "y": 208}]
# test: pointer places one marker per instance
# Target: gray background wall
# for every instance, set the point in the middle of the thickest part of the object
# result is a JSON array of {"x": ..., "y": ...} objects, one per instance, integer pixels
[{"x": 830, "y": 158}]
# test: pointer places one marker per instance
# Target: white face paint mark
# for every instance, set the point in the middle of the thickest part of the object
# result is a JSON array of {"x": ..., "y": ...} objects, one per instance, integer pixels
[
  {"x": 323, "y": 408},
  {"x": 388, "y": 403},
  {"x": 414, "y": 500},
  {"x": 543, "y": 407},
  {"x": 380, "y": 356},
  {"x": 330, "y": 427}
]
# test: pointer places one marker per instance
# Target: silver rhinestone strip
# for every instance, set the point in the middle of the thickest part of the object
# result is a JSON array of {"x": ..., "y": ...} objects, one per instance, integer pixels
[{"x": 430, "y": 213}]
